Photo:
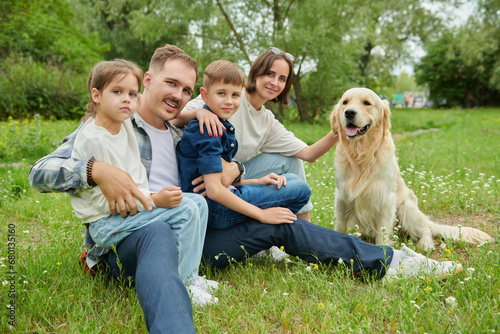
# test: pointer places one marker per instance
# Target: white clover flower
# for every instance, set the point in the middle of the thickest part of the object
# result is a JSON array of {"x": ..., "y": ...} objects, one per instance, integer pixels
[
  {"x": 4, "y": 283},
  {"x": 357, "y": 234},
  {"x": 451, "y": 302}
]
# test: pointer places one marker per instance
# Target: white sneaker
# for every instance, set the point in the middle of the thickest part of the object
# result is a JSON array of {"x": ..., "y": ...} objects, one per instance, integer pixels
[
  {"x": 200, "y": 297},
  {"x": 414, "y": 263},
  {"x": 205, "y": 284},
  {"x": 274, "y": 253}
]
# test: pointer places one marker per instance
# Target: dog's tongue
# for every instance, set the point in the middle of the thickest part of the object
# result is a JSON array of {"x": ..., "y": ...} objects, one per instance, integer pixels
[{"x": 351, "y": 131}]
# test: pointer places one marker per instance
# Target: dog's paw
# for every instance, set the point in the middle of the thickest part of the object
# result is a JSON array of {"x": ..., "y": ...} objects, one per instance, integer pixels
[{"x": 426, "y": 244}]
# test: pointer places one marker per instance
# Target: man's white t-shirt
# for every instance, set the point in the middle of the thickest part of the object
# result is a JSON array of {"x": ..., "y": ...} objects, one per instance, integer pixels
[{"x": 164, "y": 170}]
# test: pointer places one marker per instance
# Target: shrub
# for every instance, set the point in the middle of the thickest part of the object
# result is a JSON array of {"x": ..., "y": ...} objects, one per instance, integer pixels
[{"x": 28, "y": 87}]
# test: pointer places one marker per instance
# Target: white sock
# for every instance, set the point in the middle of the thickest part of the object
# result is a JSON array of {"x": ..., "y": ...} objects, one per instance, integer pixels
[{"x": 397, "y": 257}]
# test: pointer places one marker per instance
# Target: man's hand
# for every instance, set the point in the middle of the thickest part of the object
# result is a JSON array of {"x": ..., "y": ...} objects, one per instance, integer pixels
[
  {"x": 118, "y": 188},
  {"x": 229, "y": 174},
  {"x": 168, "y": 197}
]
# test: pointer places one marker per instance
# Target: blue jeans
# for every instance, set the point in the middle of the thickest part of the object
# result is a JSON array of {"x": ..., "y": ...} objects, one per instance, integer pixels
[
  {"x": 265, "y": 163},
  {"x": 309, "y": 242},
  {"x": 188, "y": 223},
  {"x": 150, "y": 256},
  {"x": 294, "y": 196}
]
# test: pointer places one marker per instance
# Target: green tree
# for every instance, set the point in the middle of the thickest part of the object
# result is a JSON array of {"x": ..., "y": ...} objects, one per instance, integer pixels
[
  {"x": 45, "y": 59},
  {"x": 463, "y": 66},
  {"x": 135, "y": 28},
  {"x": 45, "y": 30},
  {"x": 337, "y": 44}
]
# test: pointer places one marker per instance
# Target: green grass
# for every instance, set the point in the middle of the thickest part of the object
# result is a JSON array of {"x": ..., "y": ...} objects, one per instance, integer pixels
[{"x": 454, "y": 172}]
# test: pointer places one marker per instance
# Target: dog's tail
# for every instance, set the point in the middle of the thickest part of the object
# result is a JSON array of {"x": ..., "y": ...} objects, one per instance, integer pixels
[{"x": 418, "y": 226}]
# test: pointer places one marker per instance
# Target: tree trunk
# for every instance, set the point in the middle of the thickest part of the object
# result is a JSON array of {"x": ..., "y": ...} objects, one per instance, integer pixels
[{"x": 301, "y": 100}]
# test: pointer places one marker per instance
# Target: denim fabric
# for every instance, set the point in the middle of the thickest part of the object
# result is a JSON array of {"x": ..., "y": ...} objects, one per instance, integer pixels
[
  {"x": 294, "y": 196},
  {"x": 265, "y": 163},
  {"x": 200, "y": 154},
  {"x": 187, "y": 222},
  {"x": 309, "y": 242},
  {"x": 149, "y": 255}
]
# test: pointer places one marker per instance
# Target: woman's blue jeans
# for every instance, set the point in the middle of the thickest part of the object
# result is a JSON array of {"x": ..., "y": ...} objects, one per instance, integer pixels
[{"x": 265, "y": 163}]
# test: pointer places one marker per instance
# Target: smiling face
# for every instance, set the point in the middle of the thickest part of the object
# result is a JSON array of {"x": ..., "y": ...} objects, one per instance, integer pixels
[
  {"x": 269, "y": 85},
  {"x": 359, "y": 111},
  {"x": 166, "y": 92},
  {"x": 116, "y": 102},
  {"x": 223, "y": 99}
]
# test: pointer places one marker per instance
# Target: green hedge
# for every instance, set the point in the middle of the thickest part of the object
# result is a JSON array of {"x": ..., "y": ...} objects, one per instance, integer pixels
[{"x": 28, "y": 87}]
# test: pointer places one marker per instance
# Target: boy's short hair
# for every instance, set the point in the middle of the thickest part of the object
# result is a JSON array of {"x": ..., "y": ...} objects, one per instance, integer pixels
[
  {"x": 168, "y": 52},
  {"x": 223, "y": 71}
]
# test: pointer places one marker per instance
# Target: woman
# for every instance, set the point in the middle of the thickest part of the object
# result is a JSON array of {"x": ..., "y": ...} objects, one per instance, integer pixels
[{"x": 257, "y": 130}]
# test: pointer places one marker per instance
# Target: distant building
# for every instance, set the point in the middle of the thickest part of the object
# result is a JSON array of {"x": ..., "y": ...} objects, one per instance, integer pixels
[{"x": 409, "y": 100}]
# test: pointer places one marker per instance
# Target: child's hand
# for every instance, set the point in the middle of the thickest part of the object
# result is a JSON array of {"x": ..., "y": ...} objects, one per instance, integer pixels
[
  {"x": 278, "y": 215},
  {"x": 273, "y": 178},
  {"x": 168, "y": 197}
]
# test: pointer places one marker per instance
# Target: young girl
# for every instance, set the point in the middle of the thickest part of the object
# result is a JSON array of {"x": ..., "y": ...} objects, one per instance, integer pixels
[{"x": 107, "y": 135}]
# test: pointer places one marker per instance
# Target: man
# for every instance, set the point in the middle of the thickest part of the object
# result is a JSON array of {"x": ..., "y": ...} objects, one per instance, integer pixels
[{"x": 150, "y": 254}]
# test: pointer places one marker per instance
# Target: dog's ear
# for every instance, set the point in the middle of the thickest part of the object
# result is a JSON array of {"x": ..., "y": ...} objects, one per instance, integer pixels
[
  {"x": 334, "y": 119},
  {"x": 387, "y": 117}
]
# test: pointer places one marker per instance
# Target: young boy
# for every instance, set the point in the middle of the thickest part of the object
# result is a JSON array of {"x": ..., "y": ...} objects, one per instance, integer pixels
[{"x": 271, "y": 199}]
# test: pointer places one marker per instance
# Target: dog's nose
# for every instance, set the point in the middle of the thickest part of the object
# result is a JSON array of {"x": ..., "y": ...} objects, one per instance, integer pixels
[{"x": 350, "y": 114}]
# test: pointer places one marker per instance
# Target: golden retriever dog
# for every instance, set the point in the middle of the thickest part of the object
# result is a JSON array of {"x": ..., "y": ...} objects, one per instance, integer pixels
[{"x": 370, "y": 191}]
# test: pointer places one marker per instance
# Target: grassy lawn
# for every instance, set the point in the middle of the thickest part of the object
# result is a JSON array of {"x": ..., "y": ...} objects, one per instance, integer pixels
[{"x": 454, "y": 170}]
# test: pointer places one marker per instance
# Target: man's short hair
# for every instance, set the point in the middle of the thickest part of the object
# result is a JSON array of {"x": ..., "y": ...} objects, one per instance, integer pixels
[{"x": 169, "y": 52}]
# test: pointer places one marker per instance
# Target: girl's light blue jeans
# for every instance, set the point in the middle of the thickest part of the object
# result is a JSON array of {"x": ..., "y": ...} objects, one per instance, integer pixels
[
  {"x": 292, "y": 196},
  {"x": 265, "y": 163},
  {"x": 188, "y": 222}
]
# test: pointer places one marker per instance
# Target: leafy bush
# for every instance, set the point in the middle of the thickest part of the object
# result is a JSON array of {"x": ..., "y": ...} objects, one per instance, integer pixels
[{"x": 28, "y": 87}]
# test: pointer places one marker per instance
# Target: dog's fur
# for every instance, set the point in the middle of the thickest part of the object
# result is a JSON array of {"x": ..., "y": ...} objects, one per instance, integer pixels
[{"x": 370, "y": 190}]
